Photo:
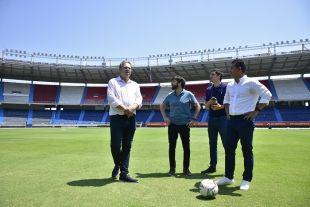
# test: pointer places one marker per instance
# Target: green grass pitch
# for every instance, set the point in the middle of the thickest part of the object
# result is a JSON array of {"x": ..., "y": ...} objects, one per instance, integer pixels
[{"x": 72, "y": 167}]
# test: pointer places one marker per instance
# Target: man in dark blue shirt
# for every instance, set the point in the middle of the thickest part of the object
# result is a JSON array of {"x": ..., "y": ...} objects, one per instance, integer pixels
[{"x": 217, "y": 123}]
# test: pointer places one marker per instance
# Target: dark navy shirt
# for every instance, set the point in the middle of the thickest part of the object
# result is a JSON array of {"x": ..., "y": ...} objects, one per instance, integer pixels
[{"x": 218, "y": 93}]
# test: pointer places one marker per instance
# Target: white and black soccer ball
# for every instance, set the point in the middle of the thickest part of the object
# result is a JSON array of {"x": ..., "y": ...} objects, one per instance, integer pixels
[{"x": 208, "y": 188}]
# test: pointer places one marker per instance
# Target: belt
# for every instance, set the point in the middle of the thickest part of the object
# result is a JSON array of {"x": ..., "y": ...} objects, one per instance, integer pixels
[{"x": 237, "y": 116}]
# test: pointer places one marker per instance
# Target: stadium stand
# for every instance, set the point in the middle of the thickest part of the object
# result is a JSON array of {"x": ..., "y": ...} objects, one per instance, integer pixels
[
  {"x": 307, "y": 82},
  {"x": 295, "y": 113},
  {"x": 291, "y": 89},
  {"x": 16, "y": 93},
  {"x": 199, "y": 90},
  {"x": 67, "y": 117},
  {"x": 266, "y": 83},
  {"x": 148, "y": 93},
  {"x": 41, "y": 117},
  {"x": 142, "y": 115},
  {"x": 45, "y": 94},
  {"x": 266, "y": 115},
  {"x": 93, "y": 116},
  {"x": 15, "y": 117},
  {"x": 71, "y": 95},
  {"x": 95, "y": 95},
  {"x": 1, "y": 91},
  {"x": 162, "y": 94}
]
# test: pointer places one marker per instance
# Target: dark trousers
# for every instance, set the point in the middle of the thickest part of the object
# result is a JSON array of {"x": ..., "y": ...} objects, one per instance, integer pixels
[
  {"x": 122, "y": 132},
  {"x": 184, "y": 131},
  {"x": 216, "y": 125},
  {"x": 239, "y": 128}
]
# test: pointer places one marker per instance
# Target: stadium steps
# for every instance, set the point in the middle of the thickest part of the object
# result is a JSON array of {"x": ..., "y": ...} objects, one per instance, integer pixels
[
  {"x": 81, "y": 118},
  {"x": 105, "y": 117},
  {"x": 163, "y": 92},
  {"x": 53, "y": 118},
  {"x": 150, "y": 117},
  {"x": 29, "y": 118},
  {"x": 205, "y": 116},
  {"x": 156, "y": 93},
  {"x": 277, "y": 114},
  {"x": 58, "y": 91},
  {"x": 273, "y": 90},
  {"x": 307, "y": 83},
  {"x": 83, "y": 96},
  {"x": 31, "y": 94},
  {"x": 1, "y": 116}
]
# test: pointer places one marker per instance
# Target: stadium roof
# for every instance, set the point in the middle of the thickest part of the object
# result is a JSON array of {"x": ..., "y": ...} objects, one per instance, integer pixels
[{"x": 267, "y": 60}]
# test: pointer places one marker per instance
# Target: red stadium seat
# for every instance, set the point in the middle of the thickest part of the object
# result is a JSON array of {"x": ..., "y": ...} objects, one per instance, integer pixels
[
  {"x": 266, "y": 83},
  {"x": 148, "y": 92},
  {"x": 45, "y": 94},
  {"x": 95, "y": 95},
  {"x": 199, "y": 90}
]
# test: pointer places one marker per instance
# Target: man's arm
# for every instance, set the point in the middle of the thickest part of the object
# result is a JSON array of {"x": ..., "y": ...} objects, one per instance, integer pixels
[
  {"x": 163, "y": 113},
  {"x": 226, "y": 102},
  {"x": 196, "y": 114},
  {"x": 112, "y": 99},
  {"x": 197, "y": 110},
  {"x": 137, "y": 104},
  {"x": 265, "y": 95}
]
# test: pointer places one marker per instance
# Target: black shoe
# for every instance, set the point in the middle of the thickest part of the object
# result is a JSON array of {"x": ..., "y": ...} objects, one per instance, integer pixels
[
  {"x": 127, "y": 179},
  {"x": 115, "y": 171},
  {"x": 187, "y": 172},
  {"x": 209, "y": 170},
  {"x": 171, "y": 172}
]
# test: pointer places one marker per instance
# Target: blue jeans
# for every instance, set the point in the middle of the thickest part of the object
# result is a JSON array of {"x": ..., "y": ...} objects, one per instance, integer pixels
[
  {"x": 122, "y": 132},
  {"x": 239, "y": 128},
  {"x": 216, "y": 125}
]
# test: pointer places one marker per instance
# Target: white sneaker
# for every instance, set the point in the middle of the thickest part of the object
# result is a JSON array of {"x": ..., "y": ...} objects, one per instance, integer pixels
[
  {"x": 225, "y": 181},
  {"x": 245, "y": 185}
]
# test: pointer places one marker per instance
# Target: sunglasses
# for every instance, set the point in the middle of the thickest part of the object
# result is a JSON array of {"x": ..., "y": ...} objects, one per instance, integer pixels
[{"x": 129, "y": 68}]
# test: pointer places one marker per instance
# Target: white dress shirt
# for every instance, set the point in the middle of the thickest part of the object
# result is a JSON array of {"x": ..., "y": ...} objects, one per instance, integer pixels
[
  {"x": 243, "y": 96},
  {"x": 122, "y": 93}
]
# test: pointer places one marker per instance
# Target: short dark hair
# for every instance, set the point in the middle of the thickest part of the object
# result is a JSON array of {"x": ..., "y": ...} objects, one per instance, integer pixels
[
  {"x": 123, "y": 63},
  {"x": 179, "y": 79},
  {"x": 239, "y": 63},
  {"x": 218, "y": 72}
]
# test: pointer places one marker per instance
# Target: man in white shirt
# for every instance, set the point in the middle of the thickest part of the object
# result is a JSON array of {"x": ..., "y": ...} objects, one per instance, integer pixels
[
  {"x": 242, "y": 95},
  {"x": 124, "y": 98}
]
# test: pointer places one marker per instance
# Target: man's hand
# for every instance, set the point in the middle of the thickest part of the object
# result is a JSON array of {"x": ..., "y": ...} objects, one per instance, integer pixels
[
  {"x": 216, "y": 107},
  {"x": 191, "y": 123},
  {"x": 167, "y": 120},
  {"x": 251, "y": 115},
  {"x": 211, "y": 102},
  {"x": 129, "y": 113}
]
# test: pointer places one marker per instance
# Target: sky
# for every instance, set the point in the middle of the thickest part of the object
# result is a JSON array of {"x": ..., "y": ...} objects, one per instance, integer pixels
[{"x": 139, "y": 28}]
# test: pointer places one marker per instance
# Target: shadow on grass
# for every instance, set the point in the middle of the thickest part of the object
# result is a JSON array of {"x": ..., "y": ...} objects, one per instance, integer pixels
[
  {"x": 200, "y": 197},
  {"x": 223, "y": 190},
  {"x": 177, "y": 175},
  {"x": 92, "y": 182}
]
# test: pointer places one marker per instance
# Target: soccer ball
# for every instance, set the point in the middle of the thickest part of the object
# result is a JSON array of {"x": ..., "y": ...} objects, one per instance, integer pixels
[{"x": 208, "y": 188}]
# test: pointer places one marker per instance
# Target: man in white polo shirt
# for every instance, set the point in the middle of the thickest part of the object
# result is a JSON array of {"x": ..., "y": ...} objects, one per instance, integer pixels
[
  {"x": 124, "y": 98},
  {"x": 242, "y": 95}
]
